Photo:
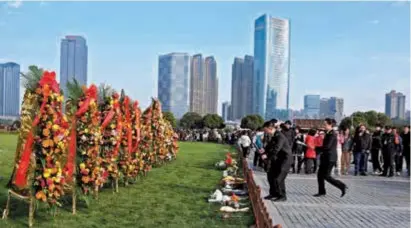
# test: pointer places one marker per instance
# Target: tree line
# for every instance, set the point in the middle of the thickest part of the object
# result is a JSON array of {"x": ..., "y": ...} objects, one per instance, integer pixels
[{"x": 192, "y": 120}]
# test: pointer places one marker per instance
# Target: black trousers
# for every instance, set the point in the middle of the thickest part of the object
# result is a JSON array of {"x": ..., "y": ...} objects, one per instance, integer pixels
[
  {"x": 388, "y": 157},
  {"x": 257, "y": 159},
  {"x": 406, "y": 154},
  {"x": 298, "y": 161},
  {"x": 276, "y": 176},
  {"x": 398, "y": 162},
  {"x": 309, "y": 165},
  {"x": 245, "y": 151},
  {"x": 375, "y": 157},
  {"x": 324, "y": 174}
]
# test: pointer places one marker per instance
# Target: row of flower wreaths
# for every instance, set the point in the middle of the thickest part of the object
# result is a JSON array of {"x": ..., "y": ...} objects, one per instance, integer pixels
[{"x": 101, "y": 138}]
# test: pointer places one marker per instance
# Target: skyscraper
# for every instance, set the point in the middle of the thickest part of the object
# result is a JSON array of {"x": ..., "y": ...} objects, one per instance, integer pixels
[
  {"x": 173, "y": 83},
  {"x": 197, "y": 84},
  {"x": 211, "y": 86},
  {"x": 9, "y": 89},
  {"x": 336, "y": 108},
  {"x": 226, "y": 111},
  {"x": 271, "y": 67},
  {"x": 73, "y": 61},
  {"x": 242, "y": 87},
  {"x": 324, "y": 107},
  {"x": 237, "y": 93},
  {"x": 395, "y": 105},
  {"x": 312, "y": 106},
  {"x": 247, "y": 84}
]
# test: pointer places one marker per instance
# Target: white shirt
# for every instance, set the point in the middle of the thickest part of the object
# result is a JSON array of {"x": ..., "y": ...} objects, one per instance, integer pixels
[{"x": 245, "y": 141}]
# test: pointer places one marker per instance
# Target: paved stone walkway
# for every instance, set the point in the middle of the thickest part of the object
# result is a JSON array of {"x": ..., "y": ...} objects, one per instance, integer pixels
[{"x": 371, "y": 201}]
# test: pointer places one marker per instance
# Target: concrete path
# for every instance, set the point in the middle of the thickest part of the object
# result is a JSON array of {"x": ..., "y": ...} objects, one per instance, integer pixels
[{"x": 371, "y": 201}]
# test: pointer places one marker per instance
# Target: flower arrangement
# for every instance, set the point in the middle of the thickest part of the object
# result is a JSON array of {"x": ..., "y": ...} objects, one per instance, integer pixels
[
  {"x": 136, "y": 126},
  {"x": 47, "y": 140},
  {"x": 145, "y": 147},
  {"x": 111, "y": 129},
  {"x": 86, "y": 130},
  {"x": 126, "y": 157}
]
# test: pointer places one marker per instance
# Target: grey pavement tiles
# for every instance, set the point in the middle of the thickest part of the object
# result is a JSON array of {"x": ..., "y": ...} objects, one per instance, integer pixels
[{"x": 371, "y": 201}]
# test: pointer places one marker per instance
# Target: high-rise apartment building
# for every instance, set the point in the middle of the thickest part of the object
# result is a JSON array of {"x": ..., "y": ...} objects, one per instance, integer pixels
[
  {"x": 395, "y": 105},
  {"x": 336, "y": 108},
  {"x": 312, "y": 106},
  {"x": 226, "y": 111},
  {"x": 324, "y": 107},
  {"x": 242, "y": 87},
  {"x": 247, "y": 84},
  {"x": 271, "y": 67},
  {"x": 73, "y": 61},
  {"x": 173, "y": 83},
  {"x": 211, "y": 86},
  {"x": 9, "y": 90},
  {"x": 197, "y": 84}
]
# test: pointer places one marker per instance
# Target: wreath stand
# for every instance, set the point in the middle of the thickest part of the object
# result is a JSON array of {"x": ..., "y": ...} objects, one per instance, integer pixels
[{"x": 28, "y": 199}]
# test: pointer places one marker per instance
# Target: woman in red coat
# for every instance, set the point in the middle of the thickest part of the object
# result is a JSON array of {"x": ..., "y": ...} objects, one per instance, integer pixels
[{"x": 310, "y": 154}]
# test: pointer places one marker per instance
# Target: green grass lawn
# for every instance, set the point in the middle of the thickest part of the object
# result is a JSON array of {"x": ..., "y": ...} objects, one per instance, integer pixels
[{"x": 170, "y": 196}]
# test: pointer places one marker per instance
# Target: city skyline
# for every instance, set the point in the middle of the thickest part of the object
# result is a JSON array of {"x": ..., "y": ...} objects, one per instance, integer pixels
[{"x": 349, "y": 52}]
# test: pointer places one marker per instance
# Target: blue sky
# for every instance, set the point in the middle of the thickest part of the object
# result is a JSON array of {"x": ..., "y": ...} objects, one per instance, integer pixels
[{"x": 355, "y": 50}]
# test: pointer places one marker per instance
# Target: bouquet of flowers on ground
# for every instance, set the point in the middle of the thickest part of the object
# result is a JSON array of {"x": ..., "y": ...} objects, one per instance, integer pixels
[
  {"x": 85, "y": 116},
  {"x": 111, "y": 128},
  {"x": 46, "y": 139}
]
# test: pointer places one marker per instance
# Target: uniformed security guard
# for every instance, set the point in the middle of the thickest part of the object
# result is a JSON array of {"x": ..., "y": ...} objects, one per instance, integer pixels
[
  {"x": 328, "y": 160},
  {"x": 277, "y": 154}
]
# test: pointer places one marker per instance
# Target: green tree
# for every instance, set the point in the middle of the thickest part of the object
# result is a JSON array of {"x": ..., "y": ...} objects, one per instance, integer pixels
[
  {"x": 213, "y": 121},
  {"x": 169, "y": 116},
  {"x": 252, "y": 122},
  {"x": 191, "y": 120},
  {"x": 370, "y": 119}
]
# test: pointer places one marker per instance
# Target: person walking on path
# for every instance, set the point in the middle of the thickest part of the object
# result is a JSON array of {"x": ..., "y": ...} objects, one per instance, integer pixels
[
  {"x": 328, "y": 158},
  {"x": 375, "y": 150},
  {"x": 361, "y": 147},
  {"x": 346, "y": 151},
  {"x": 245, "y": 143},
  {"x": 278, "y": 155},
  {"x": 388, "y": 152},
  {"x": 406, "y": 147}
]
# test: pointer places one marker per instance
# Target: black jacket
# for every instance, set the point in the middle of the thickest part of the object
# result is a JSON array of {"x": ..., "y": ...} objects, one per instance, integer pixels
[
  {"x": 278, "y": 147},
  {"x": 329, "y": 148},
  {"x": 361, "y": 143},
  {"x": 298, "y": 149},
  {"x": 290, "y": 135},
  {"x": 406, "y": 140},
  {"x": 388, "y": 143},
  {"x": 376, "y": 140}
]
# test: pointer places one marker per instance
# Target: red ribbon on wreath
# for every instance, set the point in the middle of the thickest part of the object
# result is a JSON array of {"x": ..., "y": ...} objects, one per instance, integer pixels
[{"x": 47, "y": 82}]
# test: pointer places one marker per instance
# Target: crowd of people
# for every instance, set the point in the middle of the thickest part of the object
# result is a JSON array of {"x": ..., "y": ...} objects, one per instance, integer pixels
[
  {"x": 386, "y": 148},
  {"x": 280, "y": 149}
]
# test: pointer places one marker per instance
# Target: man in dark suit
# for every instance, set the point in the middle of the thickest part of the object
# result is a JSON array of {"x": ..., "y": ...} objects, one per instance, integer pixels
[
  {"x": 328, "y": 159},
  {"x": 277, "y": 154}
]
